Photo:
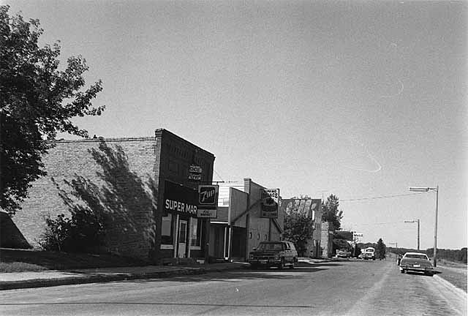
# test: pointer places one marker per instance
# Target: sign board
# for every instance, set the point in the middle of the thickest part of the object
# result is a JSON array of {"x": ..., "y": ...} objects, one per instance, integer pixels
[
  {"x": 269, "y": 204},
  {"x": 210, "y": 213},
  {"x": 195, "y": 177},
  {"x": 195, "y": 169},
  {"x": 195, "y": 173},
  {"x": 179, "y": 198},
  {"x": 208, "y": 196},
  {"x": 358, "y": 234}
]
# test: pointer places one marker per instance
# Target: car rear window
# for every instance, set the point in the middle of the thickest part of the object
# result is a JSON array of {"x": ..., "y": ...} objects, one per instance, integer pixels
[
  {"x": 271, "y": 246},
  {"x": 412, "y": 256}
]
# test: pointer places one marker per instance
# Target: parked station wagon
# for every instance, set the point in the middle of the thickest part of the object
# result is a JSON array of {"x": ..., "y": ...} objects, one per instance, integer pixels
[{"x": 273, "y": 254}]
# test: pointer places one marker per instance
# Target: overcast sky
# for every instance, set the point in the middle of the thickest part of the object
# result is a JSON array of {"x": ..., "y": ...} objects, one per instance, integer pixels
[{"x": 359, "y": 99}]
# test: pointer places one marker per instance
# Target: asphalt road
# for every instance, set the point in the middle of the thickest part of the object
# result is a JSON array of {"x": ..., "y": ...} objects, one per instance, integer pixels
[{"x": 332, "y": 288}]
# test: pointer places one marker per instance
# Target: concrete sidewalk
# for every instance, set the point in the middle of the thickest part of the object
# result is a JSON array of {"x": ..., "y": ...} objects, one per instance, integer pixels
[{"x": 20, "y": 280}]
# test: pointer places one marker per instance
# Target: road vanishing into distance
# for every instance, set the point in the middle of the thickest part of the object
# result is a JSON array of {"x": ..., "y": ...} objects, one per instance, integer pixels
[{"x": 353, "y": 287}]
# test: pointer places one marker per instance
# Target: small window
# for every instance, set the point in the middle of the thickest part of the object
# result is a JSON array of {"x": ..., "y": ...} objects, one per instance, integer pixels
[
  {"x": 167, "y": 230},
  {"x": 183, "y": 232},
  {"x": 195, "y": 233}
]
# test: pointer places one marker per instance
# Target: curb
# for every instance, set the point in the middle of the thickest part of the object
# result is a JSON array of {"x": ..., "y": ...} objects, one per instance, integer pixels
[
  {"x": 96, "y": 278},
  {"x": 103, "y": 278}
]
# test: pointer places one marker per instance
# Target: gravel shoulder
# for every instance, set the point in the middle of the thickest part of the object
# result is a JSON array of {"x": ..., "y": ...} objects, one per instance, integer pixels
[{"x": 455, "y": 275}]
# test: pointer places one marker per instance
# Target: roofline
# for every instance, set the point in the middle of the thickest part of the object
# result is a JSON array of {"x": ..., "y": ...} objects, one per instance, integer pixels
[
  {"x": 160, "y": 131},
  {"x": 100, "y": 139}
]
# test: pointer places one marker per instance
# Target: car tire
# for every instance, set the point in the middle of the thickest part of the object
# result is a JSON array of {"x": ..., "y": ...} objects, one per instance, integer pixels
[
  {"x": 292, "y": 265},
  {"x": 429, "y": 273},
  {"x": 402, "y": 271},
  {"x": 281, "y": 264}
]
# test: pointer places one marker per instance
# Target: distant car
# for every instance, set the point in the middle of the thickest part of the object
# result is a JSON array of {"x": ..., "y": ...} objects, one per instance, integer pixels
[
  {"x": 343, "y": 254},
  {"x": 368, "y": 253},
  {"x": 417, "y": 262},
  {"x": 273, "y": 254}
]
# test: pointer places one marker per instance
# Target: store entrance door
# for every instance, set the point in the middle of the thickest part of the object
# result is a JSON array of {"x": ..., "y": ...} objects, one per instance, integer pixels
[{"x": 182, "y": 249}]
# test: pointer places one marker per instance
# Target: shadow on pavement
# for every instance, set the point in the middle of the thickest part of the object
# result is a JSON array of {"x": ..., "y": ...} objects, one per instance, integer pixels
[{"x": 246, "y": 274}]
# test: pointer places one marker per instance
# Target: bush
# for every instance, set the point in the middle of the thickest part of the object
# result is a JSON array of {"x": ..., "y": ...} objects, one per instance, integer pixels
[
  {"x": 82, "y": 233},
  {"x": 56, "y": 233}
]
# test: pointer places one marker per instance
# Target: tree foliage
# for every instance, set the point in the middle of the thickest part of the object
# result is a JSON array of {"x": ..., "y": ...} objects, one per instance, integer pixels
[
  {"x": 331, "y": 213},
  {"x": 83, "y": 232},
  {"x": 449, "y": 254},
  {"x": 455, "y": 255},
  {"x": 380, "y": 249},
  {"x": 37, "y": 100},
  {"x": 298, "y": 228}
]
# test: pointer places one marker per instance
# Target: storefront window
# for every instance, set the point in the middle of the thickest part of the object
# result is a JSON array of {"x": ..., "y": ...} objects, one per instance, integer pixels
[
  {"x": 195, "y": 233},
  {"x": 167, "y": 230}
]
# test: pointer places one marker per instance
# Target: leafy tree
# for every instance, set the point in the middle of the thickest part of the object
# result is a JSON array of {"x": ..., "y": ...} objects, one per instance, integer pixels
[
  {"x": 37, "y": 100},
  {"x": 453, "y": 255},
  {"x": 462, "y": 255},
  {"x": 298, "y": 228},
  {"x": 356, "y": 251},
  {"x": 381, "y": 249},
  {"x": 82, "y": 232},
  {"x": 331, "y": 213}
]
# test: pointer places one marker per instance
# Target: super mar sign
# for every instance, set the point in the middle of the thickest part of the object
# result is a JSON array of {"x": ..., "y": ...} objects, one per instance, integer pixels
[{"x": 180, "y": 199}]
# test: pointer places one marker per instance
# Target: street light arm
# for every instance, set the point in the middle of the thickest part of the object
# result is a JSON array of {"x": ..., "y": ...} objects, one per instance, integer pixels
[{"x": 423, "y": 189}]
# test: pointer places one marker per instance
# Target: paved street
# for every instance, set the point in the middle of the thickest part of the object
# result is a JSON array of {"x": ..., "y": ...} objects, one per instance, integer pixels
[{"x": 328, "y": 288}]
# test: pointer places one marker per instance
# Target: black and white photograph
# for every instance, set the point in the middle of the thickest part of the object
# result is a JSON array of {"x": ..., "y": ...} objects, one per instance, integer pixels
[{"x": 233, "y": 157}]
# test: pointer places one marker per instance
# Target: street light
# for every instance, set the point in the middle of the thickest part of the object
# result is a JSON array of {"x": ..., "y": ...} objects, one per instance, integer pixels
[
  {"x": 416, "y": 221},
  {"x": 427, "y": 189}
]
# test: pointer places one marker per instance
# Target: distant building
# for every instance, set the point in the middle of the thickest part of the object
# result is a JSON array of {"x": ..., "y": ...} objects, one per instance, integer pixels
[
  {"x": 327, "y": 231},
  {"x": 241, "y": 225}
]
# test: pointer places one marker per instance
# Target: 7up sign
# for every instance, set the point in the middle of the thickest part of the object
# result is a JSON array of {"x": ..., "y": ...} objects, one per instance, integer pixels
[
  {"x": 207, "y": 201},
  {"x": 208, "y": 196}
]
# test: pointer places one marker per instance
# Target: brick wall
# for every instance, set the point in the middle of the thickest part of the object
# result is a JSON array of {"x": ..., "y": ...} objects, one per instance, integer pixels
[{"x": 118, "y": 181}]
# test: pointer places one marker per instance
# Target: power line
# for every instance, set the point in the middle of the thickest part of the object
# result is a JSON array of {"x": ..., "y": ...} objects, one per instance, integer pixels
[
  {"x": 381, "y": 223},
  {"x": 380, "y": 197},
  {"x": 218, "y": 174}
]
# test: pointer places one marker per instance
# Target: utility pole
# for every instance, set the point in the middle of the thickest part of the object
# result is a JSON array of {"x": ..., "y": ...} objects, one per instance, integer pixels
[
  {"x": 416, "y": 221},
  {"x": 427, "y": 189}
]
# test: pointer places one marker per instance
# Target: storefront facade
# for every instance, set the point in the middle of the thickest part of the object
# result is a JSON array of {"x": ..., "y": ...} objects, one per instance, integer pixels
[
  {"x": 181, "y": 230},
  {"x": 241, "y": 225},
  {"x": 182, "y": 167}
]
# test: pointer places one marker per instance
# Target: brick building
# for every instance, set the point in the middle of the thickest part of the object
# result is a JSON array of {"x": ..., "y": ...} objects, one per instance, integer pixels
[{"x": 146, "y": 186}]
